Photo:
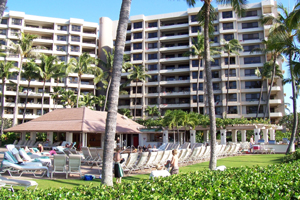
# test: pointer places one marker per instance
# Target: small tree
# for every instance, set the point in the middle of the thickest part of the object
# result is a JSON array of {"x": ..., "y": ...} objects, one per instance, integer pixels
[{"x": 152, "y": 111}]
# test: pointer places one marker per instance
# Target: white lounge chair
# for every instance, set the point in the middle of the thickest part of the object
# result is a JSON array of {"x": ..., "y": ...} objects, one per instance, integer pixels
[
  {"x": 133, "y": 157},
  {"x": 125, "y": 156},
  {"x": 149, "y": 162},
  {"x": 19, "y": 183},
  {"x": 74, "y": 165},
  {"x": 59, "y": 164},
  {"x": 87, "y": 155},
  {"x": 158, "y": 158},
  {"x": 141, "y": 163},
  {"x": 32, "y": 168}
]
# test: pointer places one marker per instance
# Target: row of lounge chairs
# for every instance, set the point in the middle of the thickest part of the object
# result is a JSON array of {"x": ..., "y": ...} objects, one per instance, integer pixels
[
  {"x": 60, "y": 164},
  {"x": 33, "y": 144}
]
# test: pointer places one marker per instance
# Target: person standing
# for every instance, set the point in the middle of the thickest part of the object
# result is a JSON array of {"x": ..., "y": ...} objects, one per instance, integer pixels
[
  {"x": 251, "y": 143},
  {"x": 117, "y": 168},
  {"x": 173, "y": 163}
]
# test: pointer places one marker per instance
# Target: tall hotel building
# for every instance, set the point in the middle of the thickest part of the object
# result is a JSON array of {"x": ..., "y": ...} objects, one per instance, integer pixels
[{"x": 159, "y": 42}]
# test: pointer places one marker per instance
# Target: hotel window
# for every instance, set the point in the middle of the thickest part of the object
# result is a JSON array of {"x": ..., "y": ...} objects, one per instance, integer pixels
[
  {"x": 253, "y": 109},
  {"x": 3, "y": 31},
  {"x": 249, "y": 25},
  {"x": 137, "y": 46},
  {"x": 61, "y": 48},
  {"x": 232, "y": 73},
  {"x": 15, "y": 32},
  {"x": 232, "y": 110},
  {"x": 2, "y": 42},
  {"x": 62, "y": 58},
  {"x": 195, "y": 86},
  {"x": 75, "y": 38},
  {"x": 200, "y": 98},
  {"x": 75, "y": 48},
  {"x": 252, "y": 84},
  {"x": 252, "y": 60},
  {"x": 138, "y": 25},
  {"x": 195, "y": 63},
  {"x": 253, "y": 36},
  {"x": 76, "y": 28},
  {"x": 250, "y": 72},
  {"x": 227, "y": 26},
  {"x": 215, "y": 39},
  {"x": 152, "y": 67},
  {"x": 228, "y": 37},
  {"x": 62, "y": 38},
  {"x": 232, "y": 85},
  {"x": 215, "y": 74},
  {"x": 152, "y": 35},
  {"x": 217, "y": 98},
  {"x": 195, "y": 29},
  {"x": 249, "y": 48},
  {"x": 218, "y": 110},
  {"x": 232, "y": 97},
  {"x": 216, "y": 86},
  {"x": 152, "y": 24},
  {"x": 251, "y": 13},
  {"x": 216, "y": 28},
  {"x": 137, "y": 36},
  {"x": 252, "y": 97},
  {"x": 137, "y": 56},
  {"x": 214, "y": 63},
  {"x": 152, "y": 45},
  {"x": 232, "y": 61},
  {"x": 194, "y": 18},
  {"x": 4, "y": 21},
  {"x": 152, "y": 89},
  {"x": 16, "y": 21},
  {"x": 194, "y": 75},
  {"x": 153, "y": 78},
  {"x": 62, "y": 28},
  {"x": 227, "y": 14},
  {"x": 152, "y": 56}
]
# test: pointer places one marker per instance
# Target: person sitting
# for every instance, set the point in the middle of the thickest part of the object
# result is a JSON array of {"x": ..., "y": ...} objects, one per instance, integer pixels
[
  {"x": 145, "y": 148},
  {"x": 173, "y": 163},
  {"x": 134, "y": 150},
  {"x": 149, "y": 146},
  {"x": 154, "y": 146},
  {"x": 40, "y": 148},
  {"x": 69, "y": 146}
]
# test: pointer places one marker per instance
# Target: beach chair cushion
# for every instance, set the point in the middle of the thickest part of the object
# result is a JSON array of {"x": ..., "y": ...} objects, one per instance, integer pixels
[
  {"x": 9, "y": 156},
  {"x": 24, "y": 154},
  {"x": 17, "y": 182}
]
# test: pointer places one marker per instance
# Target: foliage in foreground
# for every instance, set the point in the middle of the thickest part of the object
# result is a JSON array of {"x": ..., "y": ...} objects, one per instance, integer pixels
[
  {"x": 270, "y": 182},
  {"x": 292, "y": 156}
]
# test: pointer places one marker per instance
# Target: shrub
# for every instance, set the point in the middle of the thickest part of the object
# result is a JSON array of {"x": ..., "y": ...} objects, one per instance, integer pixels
[
  {"x": 292, "y": 156},
  {"x": 270, "y": 182}
]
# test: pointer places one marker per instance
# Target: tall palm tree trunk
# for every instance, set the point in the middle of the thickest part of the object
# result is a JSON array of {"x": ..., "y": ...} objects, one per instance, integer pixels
[
  {"x": 212, "y": 116},
  {"x": 15, "y": 117},
  {"x": 295, "y": 123},
  {"x": 197, "y": 93},
  {"x": 107, "y": 90},
  {"x": 270, "y": 90},
  {"x": 78, "y": 92},
  {"x": 43, "y": 96},
  {"x": 111, "y": 119},
  {"x": 227, "y": 93},
  {"x": 26, "y": 102},
  {"x": 2, "y": 105},
  {"x": 260, "y": 97},
  {"x": 135, "y": 99}
]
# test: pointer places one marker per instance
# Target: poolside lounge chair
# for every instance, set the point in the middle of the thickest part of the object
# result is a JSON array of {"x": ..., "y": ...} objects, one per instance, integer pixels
[
  {"x": 152, "y": 157},
  {"x": 35, "y": 158},
  {"x": 74, "y": 165},
  {"x": 140, "y": 164},
  {"x": 158, "y": 158},
  {"x": 87, "y": 155},
  {"x": 125, "y": 156},
  {"x": 59, "y": 164},
  {"x": 32, "y": 168},
  {"x": 19, "y": 183},
  {"x": 133, "y": 157}
]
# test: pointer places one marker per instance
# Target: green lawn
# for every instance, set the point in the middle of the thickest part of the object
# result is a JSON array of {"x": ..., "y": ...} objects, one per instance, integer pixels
[{"x": 237, "y": 161}]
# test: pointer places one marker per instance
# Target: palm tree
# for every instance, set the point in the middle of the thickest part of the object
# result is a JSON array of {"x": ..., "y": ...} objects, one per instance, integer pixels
[
  {"x": 173, "y": 120},
  {"x": 152, "y": 111},
  {"x": 7, "y": 69},
  {"x": 231, "y": 47},
  {"x": 55, "y": 94},
  {"x": 68, "y": 98},
  {"x": 190, "y": 120},
  {"x": 138, "y": 73},
  {"x": 24, "y": 48},
  {"x": 126, "y": 112},
  {"x": 207, "y": 20},
  {"x": 30, "y": 72},
  {"x": 285, "y": 30},
  {"x": 81, "y": 66},
  {"x": 98, "y": 100},
  {"x": 113, "y": 96},
  {"x": 2, "y": 8},
  {"x": 49, "y": 70}
]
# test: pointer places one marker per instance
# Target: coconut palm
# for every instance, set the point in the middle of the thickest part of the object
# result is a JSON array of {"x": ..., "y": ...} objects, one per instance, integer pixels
[
  {"x": 286, "y": 32},
  {"x": 113, "y": 96},
  {"x": 81, "y": 66},
  {"x": 98, "y": 100},
  {"x": 68, "y": 98},
  {"x": 138, "y": 73},
  {"x": 23, "y": 47},
  {"x": 189, "y": 121},
  {"x": 55, "y": 94},
  {"x": 30, "y": 72},
  {"x": 231, "y": 47},
  {"x": 152, "y": 111},
  {"x": 2, "y": 8},
  {"x": 7, "y": 69},
  {"x": 126, "y": 112},
  {"x": 207, "y": 20},
  {"x": 173, "y": 120}
]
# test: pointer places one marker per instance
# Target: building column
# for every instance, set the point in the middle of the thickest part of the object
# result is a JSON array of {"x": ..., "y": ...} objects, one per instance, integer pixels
[
  {"x": 193, "y": 136},
  {"x": 272, "y": 134},
  {"x": 69, "y": 137},
  {"x": 181, "y": 137},
  {"x": 205, "y": 136},
  {"x": 33, "y": 136},
  {"x": 257, "y": 135},
  {"x": 244, "y": 137},
  {"x": 165, "y": 136},
  {"x": 223, "y": 136},
  {"x": 23, "y": 136},
  {"x": 234, "y": 136},
  {"x": 265, "y": 135},
  {"x": 84, "y": 142},
  {"x": 50, "y": 137},
  {"x": 102, "y": 140}
]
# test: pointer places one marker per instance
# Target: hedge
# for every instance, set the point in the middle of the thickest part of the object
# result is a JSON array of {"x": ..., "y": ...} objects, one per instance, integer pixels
[{"x": 271, "y": 182}]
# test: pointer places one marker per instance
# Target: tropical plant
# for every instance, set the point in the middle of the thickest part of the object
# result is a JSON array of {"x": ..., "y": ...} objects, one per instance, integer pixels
[
  {"x": 98, "y": 100},
  {"x": 23, "y": 47},
  {"x": 189, "y": 122},
  {"x": 30, "y": 72},
  {"x": 68, "y": 98},
  {"x": 55, "y": 94},
  {"x": 152, "y": 111},
  {"x": 173, "y": 120},
  {"x": 7, "y": 69},
  {"x": 126, "y": 112},
  {"x": 231, "y": 47},
  {"x": 285, "y": 30},
  {"x": 81, "y": 66},
  {"x": 113, "y": 96},
  {"x": 138, "y": 73}
]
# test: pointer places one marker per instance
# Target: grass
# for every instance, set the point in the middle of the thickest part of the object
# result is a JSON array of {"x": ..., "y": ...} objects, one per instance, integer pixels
[{"x": 237, "y": 161}]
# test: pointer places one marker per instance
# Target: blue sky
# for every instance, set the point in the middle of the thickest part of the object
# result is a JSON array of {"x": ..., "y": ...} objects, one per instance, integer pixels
[{"x": 92, "y": 10}]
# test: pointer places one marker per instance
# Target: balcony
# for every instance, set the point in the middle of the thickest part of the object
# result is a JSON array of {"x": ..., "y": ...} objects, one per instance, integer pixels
[
  {"x": 174, "y": 37},
  {"x": 276, "y": 114}
]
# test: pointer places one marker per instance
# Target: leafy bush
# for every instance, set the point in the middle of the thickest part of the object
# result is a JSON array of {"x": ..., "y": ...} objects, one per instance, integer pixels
[
  {"x": 9, "y": 138},
  {"x": 292, "y": 156},
  {"x": 270, "y": 182}
]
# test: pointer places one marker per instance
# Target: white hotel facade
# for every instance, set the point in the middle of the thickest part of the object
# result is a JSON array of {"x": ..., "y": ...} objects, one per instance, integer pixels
[{"x": 158, "y": 42}]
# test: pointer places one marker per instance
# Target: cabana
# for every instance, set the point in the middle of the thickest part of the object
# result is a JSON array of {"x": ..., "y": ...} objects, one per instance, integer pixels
[{"x": 81, "y": 125}]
